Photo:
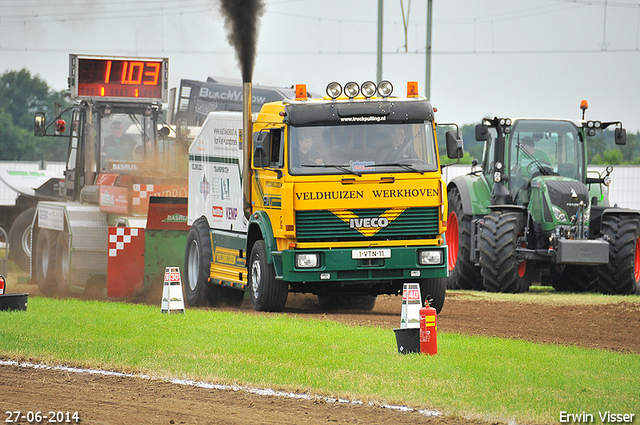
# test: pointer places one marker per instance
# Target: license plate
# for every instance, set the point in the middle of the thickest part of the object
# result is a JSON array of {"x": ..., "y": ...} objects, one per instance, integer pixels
[{"x": 370, "y": 253}]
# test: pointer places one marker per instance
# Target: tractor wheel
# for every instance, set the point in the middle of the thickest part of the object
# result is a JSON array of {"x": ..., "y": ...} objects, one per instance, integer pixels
[
  {"x": 574, "y": 278},
  {"x": 62, "y": 262},
  {"x": 198, "y": 290},
  {"x": 347, "y": 302},
  {"x": 463, "y": 274},
  {"x": 433, "y": 291},
  {"x": 20, "y": 239},
  {"x": 500, "y": 267},
  {"x": 44, "y": 260},
  {"x": 266, "y": 293},
  {"x": 622, "y": 274}
]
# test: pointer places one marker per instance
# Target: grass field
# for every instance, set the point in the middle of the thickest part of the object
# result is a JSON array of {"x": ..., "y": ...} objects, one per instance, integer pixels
[{"x": 489, "y": 378}]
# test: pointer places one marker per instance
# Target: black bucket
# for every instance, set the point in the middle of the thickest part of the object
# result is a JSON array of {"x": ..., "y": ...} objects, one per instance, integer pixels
[
  {"x": 13, "y": 302},
  {"x": 408, "y": 340}
]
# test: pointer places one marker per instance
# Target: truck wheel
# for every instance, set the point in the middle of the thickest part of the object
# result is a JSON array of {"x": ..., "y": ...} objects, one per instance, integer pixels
[
  {"x": 622, "y": 274},
  {"x": 266, "y": 293},
  {"x": 434, "y": 291},
  {"x": 500, "y": 268},
  {"x": 198, "y": 291},
  {"x": 20, "y": 239},
  {"x": 463, "y": 274},
  {"x": 44, "y": 259},
  {"x": 197, "y": 263},
  {"x": 62, "y": 262},
  {"x": 347, "y": 302}
]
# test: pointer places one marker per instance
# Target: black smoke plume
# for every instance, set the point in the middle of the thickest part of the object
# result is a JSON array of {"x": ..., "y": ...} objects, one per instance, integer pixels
[{"x": 241, "y": 18}]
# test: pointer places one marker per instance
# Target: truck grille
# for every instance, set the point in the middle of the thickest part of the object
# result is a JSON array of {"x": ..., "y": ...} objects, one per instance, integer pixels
[
  {"x": 560, "y": 193},
  {"x": 412, "y": 223}
]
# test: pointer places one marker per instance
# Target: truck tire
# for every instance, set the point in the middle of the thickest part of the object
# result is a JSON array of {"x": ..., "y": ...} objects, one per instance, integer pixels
[
  {"x": 44, "y": 260},
  {"x": 265, "y": 292},
  {"x": 433, "y": 291},
  {"x": 622, "y": 274},
  {"x": 463, "y": 274},
  {"x": 197, "y": 264},
  {"x": 500, "y": 268},
  {"x": 20, "y": 239},
  {"x": 347, "y": 302}
]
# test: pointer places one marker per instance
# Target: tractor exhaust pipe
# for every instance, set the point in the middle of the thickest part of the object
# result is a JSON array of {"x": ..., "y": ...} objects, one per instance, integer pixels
[{"x": 247, "y": 147}]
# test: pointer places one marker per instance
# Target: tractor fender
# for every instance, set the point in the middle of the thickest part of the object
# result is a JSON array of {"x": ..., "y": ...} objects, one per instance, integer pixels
[
  {"x": 260, "y": 228},
  {"x": 597, "y": 220},
  {"x": 475, "y": 194}
]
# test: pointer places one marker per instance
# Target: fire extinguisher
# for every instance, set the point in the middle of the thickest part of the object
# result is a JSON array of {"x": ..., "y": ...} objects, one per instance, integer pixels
[{"x": 428, "y": 331}]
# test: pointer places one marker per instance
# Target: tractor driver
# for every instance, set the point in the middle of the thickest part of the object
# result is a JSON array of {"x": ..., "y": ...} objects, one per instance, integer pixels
[{"x": 530, "y": 155}]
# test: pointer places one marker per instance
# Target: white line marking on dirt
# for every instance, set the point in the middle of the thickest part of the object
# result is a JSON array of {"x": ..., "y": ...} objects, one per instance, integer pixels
[{"x": 221, "y": 387}]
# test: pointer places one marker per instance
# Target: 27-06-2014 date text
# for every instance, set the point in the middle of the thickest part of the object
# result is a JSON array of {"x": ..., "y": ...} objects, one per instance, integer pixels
[{"x": 45, "y": 417}]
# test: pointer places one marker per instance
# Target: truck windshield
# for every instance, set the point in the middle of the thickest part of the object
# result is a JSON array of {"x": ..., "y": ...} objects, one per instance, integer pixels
[
  {"x": 127, "y": 143},
  {"x": 546, "y": 147},
  {"x": 361, "y": 149}
]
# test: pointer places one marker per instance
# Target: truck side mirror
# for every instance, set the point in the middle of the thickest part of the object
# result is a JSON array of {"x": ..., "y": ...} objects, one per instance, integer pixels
[
  {"x": 39, "y": 124},
  {"x": 455, "y": 149},
  {"x": 262, "y": 150},
  {"x": 620, "y": 135},
  {"x": 482, "y": 133}
]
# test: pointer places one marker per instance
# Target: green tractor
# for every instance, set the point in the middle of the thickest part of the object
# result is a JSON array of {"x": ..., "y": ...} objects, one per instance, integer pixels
[{"x": 531, "y": 213}]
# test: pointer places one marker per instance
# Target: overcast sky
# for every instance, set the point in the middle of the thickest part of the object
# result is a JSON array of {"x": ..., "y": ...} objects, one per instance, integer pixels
[{"x": 534, "y": 58}]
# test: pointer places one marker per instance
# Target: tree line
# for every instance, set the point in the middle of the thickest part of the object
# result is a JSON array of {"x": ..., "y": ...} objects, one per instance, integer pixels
[{"x": 21, "y": 95}]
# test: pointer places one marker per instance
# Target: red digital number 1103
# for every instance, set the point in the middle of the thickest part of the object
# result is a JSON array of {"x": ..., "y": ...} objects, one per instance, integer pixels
[{"x": 135, "y": 73}]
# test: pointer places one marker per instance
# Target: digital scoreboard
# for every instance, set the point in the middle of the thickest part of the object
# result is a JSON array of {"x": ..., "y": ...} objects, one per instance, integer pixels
[{"x": 118, "y": 78}]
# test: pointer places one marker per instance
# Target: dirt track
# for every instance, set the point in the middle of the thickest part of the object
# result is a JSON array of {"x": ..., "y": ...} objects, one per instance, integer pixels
[{"x": 125, "y": 400}]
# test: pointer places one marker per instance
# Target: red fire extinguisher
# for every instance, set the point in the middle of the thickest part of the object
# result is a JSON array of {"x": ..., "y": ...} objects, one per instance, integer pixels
[{"x": 428, "y": 331}]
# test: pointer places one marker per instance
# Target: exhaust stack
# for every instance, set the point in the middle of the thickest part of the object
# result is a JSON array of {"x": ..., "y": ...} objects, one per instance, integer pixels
[{"x": 247, "y": 147}]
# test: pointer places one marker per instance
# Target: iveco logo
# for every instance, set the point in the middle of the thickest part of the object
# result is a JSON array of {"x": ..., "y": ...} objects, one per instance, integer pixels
[{"x": 368, "y": 223}]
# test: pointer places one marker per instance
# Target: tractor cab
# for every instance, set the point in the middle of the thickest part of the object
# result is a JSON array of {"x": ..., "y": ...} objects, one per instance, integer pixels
[{"x": 539, "y": 148}]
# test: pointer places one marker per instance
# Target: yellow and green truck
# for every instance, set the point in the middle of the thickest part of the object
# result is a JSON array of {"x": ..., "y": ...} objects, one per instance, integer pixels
[{"x": 340, "y": 196}]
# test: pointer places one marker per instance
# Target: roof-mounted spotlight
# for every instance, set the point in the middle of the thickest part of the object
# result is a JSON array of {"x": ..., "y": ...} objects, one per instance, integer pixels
[
  {"x": 385, "y": 88},
  {"x": 368, "y": 89},
  {"x": 351, "y": 89},
  {"x": 334, "y": 90}
]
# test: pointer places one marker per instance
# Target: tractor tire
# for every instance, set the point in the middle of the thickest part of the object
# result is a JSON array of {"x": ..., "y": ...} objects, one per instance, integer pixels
[
  {"x": 622, "y": 274},
  {"x": 433, "y": 292},
  {"x": 265, "y": 292},
  {"x": 44, "y": 260},
  {"x": 198, "y": 290},
  {"x": 20, "y": 239},
  {"x": 61, "y": 267},
  {"x": 463, "y": 274},
  {"x": 347, "y": 302},
  {"x": 574, "y": 278},
  {"x": 499, "y": 266}
]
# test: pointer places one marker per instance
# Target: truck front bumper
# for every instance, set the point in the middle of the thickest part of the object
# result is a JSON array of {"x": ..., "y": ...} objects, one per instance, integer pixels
[{"x": 339, "y": 265}]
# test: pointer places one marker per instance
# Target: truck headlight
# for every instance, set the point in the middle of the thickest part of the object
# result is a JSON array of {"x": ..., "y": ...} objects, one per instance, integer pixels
[
  {"x": 430, "y": 257},
  {"x": 559, "y": 214},
  {"x": 307, "y": 260}
]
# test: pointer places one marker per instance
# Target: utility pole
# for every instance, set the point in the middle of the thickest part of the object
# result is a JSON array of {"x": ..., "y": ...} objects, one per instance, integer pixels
[
  {"x": 427, "y": 85},
  {"x": 379, "y": 56}
]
